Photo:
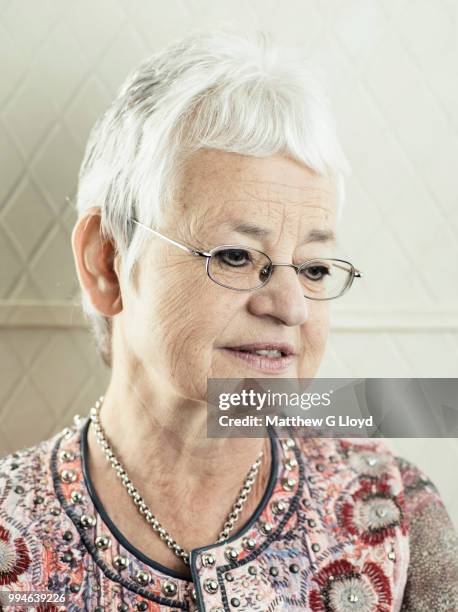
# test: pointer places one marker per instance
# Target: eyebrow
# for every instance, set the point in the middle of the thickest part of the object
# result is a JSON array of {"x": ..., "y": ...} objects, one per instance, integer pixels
[{"x": 251, "y": 229}]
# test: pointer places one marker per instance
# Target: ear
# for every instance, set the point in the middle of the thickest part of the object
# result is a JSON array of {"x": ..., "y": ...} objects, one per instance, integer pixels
[{"x": 95, "y": 260}]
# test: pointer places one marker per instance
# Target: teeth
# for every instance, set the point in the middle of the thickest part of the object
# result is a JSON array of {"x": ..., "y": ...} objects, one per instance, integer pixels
[{"x": 269, "y": 353}]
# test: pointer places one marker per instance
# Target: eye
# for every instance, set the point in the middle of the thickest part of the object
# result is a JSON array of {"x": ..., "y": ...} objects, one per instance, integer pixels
[
  {"x": 236, "y": 258},
  {"x": 315, "y": 272}
]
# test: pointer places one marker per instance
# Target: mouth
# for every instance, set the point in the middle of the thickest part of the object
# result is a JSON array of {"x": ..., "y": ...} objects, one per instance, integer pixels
[{"x": 264, "y": 356}]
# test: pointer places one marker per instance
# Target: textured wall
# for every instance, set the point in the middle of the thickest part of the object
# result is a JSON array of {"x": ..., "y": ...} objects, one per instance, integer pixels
[{"x": 390, "y": 67}]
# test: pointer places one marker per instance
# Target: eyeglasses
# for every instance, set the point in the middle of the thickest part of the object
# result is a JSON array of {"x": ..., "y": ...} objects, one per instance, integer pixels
[{"x": 243, "y": 268}]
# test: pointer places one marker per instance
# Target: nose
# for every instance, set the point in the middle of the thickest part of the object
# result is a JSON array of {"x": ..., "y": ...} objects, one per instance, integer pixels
[{"x": 282, "y": 297}]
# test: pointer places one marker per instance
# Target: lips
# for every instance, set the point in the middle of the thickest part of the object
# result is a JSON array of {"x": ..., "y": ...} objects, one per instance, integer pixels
[
  {"x": 284, "y": 348},
  {"x": 276, "y": 357}
]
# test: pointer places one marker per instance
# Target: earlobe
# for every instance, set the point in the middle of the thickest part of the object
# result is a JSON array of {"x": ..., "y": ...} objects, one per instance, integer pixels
[{"x": 95, "y": 260}]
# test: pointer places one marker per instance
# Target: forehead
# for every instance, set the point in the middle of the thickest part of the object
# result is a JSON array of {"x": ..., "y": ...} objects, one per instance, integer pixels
[{"x": 218, "y": 187}]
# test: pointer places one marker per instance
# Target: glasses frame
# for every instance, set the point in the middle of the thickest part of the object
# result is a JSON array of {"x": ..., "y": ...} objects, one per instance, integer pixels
[{"x": 354, "y": 273}]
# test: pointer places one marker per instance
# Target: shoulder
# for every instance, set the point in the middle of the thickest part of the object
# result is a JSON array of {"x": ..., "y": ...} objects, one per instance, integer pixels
[
  {"x": 350, "y": 458},
  {"x": 423, "y": 500},
  {"x": 351, "y": 464},
  {"x": 26, "y": 499},
  {"x": 433, "y": 569},
  {"x": 416, "y": 482},
  {"x": 24, "y": 473},
  {"x": 365, "y": 457}
]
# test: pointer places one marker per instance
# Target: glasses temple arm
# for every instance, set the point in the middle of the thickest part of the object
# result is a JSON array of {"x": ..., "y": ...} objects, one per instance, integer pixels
[
  {"x": 180, "y": 245},
  {"x": 356, "y": 274}
]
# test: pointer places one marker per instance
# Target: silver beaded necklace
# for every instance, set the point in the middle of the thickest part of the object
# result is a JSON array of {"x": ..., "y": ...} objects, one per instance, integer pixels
[{"x": 144, "y": 509}]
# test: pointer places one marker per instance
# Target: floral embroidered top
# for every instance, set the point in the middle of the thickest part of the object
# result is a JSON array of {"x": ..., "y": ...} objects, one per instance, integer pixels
[{"x": 343, "y": 526}]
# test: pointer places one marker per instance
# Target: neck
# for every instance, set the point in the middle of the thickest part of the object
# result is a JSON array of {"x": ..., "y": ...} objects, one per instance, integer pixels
[{"x": 161, "y": 441}]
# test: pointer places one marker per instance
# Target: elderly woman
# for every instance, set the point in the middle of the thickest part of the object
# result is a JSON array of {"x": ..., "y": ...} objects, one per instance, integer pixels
[{"x": 205, "y": 248}]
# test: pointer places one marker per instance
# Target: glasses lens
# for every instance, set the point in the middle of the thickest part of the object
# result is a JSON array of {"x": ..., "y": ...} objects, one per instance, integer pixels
[
  {"x": 239, "y": 268},
  {"x": 323, "y": 279}
]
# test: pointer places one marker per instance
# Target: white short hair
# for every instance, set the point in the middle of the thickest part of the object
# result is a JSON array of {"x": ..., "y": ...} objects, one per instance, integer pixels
[{"x": 221, "y": 90}]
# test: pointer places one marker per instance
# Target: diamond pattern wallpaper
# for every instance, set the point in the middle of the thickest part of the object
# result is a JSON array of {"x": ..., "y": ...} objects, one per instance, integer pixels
[{"x": 390, "y": 67}]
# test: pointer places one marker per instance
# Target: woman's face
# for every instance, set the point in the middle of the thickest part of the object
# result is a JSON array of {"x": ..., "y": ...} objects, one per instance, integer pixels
[{"x": 176, "y": 324}]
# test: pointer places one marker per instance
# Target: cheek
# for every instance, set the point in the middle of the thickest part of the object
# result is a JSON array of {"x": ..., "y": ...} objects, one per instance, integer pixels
[
  {"x": 184, "y": 315},
  {"x": 190, "y": 338}
]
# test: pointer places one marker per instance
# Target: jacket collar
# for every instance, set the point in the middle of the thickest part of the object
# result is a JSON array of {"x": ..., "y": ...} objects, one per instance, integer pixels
[{"x": 122, "y": 562}]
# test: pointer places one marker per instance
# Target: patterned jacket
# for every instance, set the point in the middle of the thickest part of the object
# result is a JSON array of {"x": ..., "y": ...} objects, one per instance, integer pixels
[{"x": 343, "y": 526}]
